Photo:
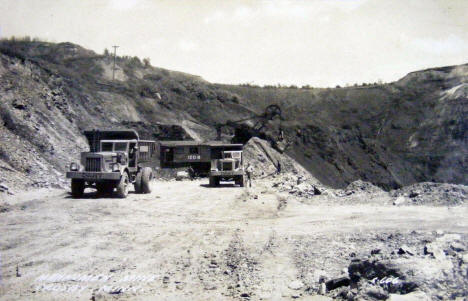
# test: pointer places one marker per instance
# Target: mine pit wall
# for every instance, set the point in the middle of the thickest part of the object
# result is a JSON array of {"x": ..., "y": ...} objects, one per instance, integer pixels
[
  {"x": 392, "y": 135},
  {"x": 413, "y": 130}
]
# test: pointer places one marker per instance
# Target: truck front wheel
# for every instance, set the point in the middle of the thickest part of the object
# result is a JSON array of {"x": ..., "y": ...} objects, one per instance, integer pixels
[
  {"x": 122, "y": 187},
  {"x": 77, "y": 188}
]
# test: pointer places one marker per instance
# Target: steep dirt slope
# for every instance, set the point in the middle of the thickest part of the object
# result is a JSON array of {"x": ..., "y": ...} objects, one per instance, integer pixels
[
  {"x": 395, "y": 134},
  {"x": 50, "y": 93}
]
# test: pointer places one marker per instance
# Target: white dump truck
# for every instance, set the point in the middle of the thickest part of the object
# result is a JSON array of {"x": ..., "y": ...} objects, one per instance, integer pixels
[{"x": 227, "y": 164}]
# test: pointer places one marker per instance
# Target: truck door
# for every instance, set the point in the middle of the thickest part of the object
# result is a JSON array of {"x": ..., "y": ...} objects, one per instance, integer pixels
[
  {"x": 169, "y": 155},
  {"x": 132, "y": 155}
]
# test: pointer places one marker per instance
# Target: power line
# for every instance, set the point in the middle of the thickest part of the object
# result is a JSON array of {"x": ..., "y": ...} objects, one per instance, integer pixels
[{"x": 113, "y": 68}]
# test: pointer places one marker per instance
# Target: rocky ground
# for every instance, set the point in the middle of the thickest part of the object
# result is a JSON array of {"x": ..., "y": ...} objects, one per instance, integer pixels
[
  {"x": 314, "y": 231},
  {"x": 231, "y": 243}
]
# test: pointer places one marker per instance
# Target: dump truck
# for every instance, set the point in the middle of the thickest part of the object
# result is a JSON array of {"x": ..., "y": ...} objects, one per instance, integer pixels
[
  {"x": 117, "y": 159},
  {"x": 226, "y": 164},
  {"x": 191, "y": 153}
]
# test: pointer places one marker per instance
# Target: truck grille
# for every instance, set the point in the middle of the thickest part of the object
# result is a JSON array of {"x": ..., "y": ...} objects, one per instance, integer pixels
[
  {"x": 93, "y": 164},
  {"x": 227, "y": 166}
]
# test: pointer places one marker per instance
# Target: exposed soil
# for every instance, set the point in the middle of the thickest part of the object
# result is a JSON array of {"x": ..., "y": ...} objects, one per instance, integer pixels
[
  {"x": 226, "y": 243},
  {"x": 391, "y": 135}
]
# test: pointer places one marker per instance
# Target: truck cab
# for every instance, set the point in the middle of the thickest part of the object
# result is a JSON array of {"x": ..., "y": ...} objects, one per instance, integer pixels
[
  {"x": 228, "y": 167},
  {"x": 116, "y": 159}
]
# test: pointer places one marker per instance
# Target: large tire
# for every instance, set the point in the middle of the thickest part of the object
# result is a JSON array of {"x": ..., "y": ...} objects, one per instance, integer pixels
[
  {"x": 241, "y": 181},
  {"x": 105, "y": 188},
  {"x": 146, "y": 177},
  {"x": 77, "y": 188},
  {"x": 213, "y": 181},
  {"x": 122, "y": 187},
  {"x": 137, "y": 183}
]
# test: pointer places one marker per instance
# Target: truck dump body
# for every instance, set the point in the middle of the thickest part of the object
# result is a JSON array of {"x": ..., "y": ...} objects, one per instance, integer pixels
[
  {"x": 197, "y": 154},
  {"x": 94, "y": 137}
]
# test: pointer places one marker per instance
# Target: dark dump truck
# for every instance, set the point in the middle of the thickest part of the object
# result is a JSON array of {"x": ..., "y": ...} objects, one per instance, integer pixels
[
  {"x": 200, "y": 157},
  {"x": 117, "y": 158}
]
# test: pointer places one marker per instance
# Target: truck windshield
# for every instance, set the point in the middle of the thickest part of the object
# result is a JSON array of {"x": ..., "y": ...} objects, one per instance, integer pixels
[
  {"x": 120, "y": 146},
  {"x": 106, "y": 147}
]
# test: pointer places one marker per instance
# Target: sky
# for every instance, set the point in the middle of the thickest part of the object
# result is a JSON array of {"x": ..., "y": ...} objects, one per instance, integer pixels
[{"x": 321, "y": 43}]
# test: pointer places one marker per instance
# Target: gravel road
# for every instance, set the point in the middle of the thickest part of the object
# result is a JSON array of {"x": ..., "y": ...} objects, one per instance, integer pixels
[{"x": 189, "y": 241}]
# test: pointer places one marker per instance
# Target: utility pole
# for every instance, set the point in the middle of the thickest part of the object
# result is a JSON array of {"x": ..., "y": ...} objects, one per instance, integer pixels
[{"x": 113, "y": 68}]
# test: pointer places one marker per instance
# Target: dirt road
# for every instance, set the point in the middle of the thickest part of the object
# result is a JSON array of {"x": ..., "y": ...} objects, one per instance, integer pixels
[{"x": 188, "y": 241}]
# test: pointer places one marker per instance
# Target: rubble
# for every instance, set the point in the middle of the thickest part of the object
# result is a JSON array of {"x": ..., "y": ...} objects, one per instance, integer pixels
[
  {"x": 361, "y": 186},
  {"x": 434, "y": 194},
  {"x": 300, "y": 186},
  {"x": 371, "y": 269},
  {"x": 336, "y": 283},
  {"x": 264, "y": 160},
  {"x": 296, "y": 285},
  {"x": 4, "y": 188},
  {"x": 4, "y": 207},
  {"x": 357, "y": 188},
  {"x": 182, "y": 175},
  {"x": 414, "y": 296}
]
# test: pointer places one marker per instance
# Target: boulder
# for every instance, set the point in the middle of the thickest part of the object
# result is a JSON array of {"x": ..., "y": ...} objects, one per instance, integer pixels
[
  {"x": 464, "y": 258},
  {"x": 19, "y": 104},
  {"x": 338, "y": 282},
  {"x": 414, "y": 296},
  {"x": 399, "y": 200},
  {"x": 4, "y": 188},
  {"x": 404, "y": 249},
  {"x": 182, "y": 175},
  {"x": 316, "y": 298},
  {"x": 457, "y": 246},
  {"x": 296, "y": 285},
  {"x": 435, "y": 250},
  {"x": 370, "y": 269}
]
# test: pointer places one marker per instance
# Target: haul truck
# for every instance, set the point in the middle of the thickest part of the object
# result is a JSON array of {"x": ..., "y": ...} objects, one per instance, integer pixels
[{"x": 117, "y": 159}]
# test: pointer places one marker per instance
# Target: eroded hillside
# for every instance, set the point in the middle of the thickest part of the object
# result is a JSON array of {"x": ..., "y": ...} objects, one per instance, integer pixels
[
  {"x": 50, "y": 93},
  {"x": 395, "y": 134}
]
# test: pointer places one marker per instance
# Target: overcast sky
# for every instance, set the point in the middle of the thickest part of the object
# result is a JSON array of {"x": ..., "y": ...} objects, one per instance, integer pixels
[{"x": 315, "y": 42}]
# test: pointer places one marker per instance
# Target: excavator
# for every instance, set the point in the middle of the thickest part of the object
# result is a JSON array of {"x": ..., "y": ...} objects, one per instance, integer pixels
[{"x": 243, "y": 132}]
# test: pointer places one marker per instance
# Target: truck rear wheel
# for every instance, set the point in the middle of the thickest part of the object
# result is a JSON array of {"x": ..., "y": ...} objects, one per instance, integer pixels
[
  {"x": 214, "y": 181},
  {"x": 146, "y": 177},
  {"x": 77, "y": 188},
  {"x": 240, "y": 181},
  {"x": 137, "y": 184},
  {"x": 122, "y": 187}
]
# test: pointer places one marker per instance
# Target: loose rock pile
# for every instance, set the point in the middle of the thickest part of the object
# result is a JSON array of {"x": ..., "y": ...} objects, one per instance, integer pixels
[
  {"x": 360, "y": 186},
  {"x": 428, "y": 193},
  {"x": 264, "y": 159},
  {"x": 427, "y": 273},
  {"x": 301, "y": 186}
]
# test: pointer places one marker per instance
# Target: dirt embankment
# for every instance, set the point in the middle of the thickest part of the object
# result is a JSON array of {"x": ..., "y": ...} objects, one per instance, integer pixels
[
  {"x": 391, "y": 135},
  {"x": 50, "y": 93}
]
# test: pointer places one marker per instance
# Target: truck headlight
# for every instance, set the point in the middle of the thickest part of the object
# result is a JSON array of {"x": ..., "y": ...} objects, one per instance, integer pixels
[
  {"x": 115, "y": 167},
  {"x": 74, "y": 166}
]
